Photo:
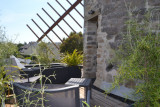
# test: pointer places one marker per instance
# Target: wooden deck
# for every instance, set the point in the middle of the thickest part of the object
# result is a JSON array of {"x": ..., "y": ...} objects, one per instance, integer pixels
[
  {"x": 11, "y": 105},
  {"x": 99, "y": 99},
  {"x": 10, "y": 102}
]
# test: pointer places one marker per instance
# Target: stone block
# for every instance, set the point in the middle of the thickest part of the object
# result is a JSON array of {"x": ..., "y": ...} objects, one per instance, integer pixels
[
  {"x": 154, "y": 2},
  {"x": 117, "y": 15},
  {"x": 89, "y": 65},
  {"x": 113, "y": 45},
  {"x": 89, "y": 47},
  {"x": 100, "y": 40},
  {"x": 136, "y": 3},
  {"x": 91, "y": 52},
  {"x": 88, "y": 69},
  {"x": 102, "y": 34},
  {"x": 141, "y": 11},
  {"x": 99, "y": 61},
  {"x": 98, "y": 82},
  {"x": 99, "y": 46},
  {"x": 108, "y": 78},
  {"x": 111, "y": 55},
  {"x": 108, "y": 8},
  {"x": 118, "y": 37},
  {"x": 99, "y": 50},
  {"x": 92, "y": 43},
  {"x": 110, "y": 30},
  {"x": 99, "y": 69},
  {"x": 91, "y": 33},
  {"x": 109, "y": 37},
  {"x": 89, "y": 75},
  {"x": 89, "y": 38},
  {"x": 98, "y": 55}
]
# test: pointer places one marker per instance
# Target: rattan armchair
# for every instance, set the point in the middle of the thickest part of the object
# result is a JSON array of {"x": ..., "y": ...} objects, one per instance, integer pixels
[{"x": 53, "y": 95}]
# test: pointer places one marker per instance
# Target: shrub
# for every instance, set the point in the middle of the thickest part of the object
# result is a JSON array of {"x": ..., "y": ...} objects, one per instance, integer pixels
[
  {"x": 7, "y": 48},
  {"x": 73, "y": 59}
]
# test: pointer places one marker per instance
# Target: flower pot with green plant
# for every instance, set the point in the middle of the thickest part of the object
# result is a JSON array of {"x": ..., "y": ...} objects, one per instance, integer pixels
[{"x": 73, "y": 62}]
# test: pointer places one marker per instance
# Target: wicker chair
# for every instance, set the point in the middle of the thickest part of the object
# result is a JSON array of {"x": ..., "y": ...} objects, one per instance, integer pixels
[{"x": 53, "y": 96}]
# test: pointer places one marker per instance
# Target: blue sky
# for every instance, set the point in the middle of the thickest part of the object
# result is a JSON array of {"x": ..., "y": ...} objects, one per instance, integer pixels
[{"x": 15, "y": 14}]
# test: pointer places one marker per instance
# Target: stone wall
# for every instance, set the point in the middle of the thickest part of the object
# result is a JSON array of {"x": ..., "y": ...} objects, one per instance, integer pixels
[
  {"x": 90, "y": 49},
  {"x": 103, "y": 29}
]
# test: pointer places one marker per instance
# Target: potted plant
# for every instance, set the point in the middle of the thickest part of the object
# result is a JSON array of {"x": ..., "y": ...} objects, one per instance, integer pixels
[{"x": 73, "y": 62}]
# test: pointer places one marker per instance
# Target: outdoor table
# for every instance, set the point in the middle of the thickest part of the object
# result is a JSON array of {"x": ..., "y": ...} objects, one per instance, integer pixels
[{"x": 82, "y": 82}]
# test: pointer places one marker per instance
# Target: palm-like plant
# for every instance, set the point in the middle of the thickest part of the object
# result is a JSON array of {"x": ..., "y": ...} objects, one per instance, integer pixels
[{"x": 73, "y": 59}]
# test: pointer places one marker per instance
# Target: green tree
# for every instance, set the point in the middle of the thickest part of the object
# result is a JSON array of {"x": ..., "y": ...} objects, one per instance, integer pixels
[
  {"x": 7, "y": 47},
  {"x": 44, "y": 54},
  {"x": 19, "y": 45},
  {"x": 74, "y": 41}
]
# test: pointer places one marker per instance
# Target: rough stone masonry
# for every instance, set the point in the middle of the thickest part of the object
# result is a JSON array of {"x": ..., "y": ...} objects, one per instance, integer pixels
[{"x": 103, "y": 28}]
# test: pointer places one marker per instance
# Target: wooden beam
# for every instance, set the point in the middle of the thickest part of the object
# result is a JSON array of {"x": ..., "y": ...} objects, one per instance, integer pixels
[{"x": 64, "y": 15}]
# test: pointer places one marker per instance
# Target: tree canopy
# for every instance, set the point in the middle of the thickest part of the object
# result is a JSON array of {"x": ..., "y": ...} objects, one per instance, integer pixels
[{"x": 74, "y": 41}]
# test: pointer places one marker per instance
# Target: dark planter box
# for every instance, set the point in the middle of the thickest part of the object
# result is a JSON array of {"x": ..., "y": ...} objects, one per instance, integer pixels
[
  {"x": 31, "y": 72},
  {"x": 61, "y": 75},
  {"x": 74, "y": 71},
  {"x": 33, "y": 65},
  {"x": 57, "y": 66}
]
